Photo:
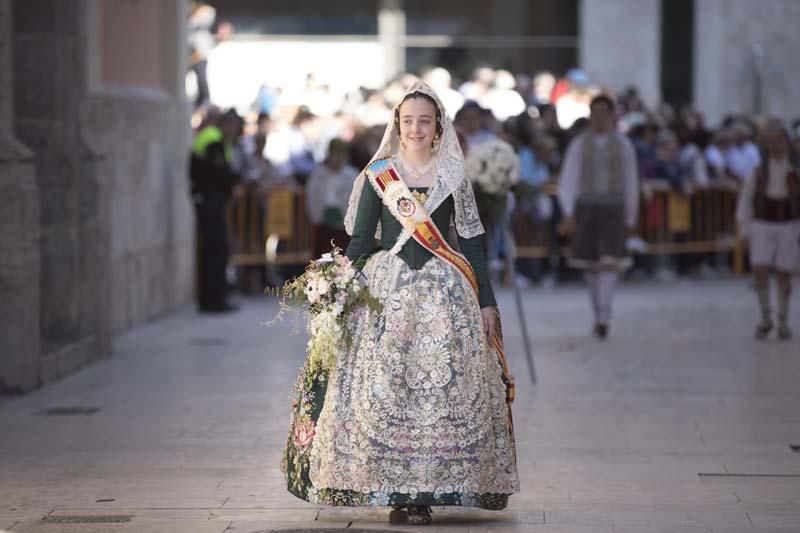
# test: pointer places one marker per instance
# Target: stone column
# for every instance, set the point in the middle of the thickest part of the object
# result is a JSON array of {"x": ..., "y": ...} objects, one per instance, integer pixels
[
  {"x": 50, "y": 83},
  {"x": 392, "y": 33},
  {"x": 620, "y": 43},
  {"x": 19, "y": 238},
  {"x": 181, "y": 216},
  {"x": 746, "y": 58}
]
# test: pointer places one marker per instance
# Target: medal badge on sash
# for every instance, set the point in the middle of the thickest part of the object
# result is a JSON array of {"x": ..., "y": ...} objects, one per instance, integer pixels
[{"x": 411, "y": 214}]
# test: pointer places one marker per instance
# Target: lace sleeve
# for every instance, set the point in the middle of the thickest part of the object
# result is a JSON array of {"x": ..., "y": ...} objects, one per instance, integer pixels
[{"x": 468, "y": 221}]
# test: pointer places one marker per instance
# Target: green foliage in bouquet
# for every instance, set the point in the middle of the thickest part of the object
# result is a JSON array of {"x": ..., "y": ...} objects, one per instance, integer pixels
[{"x": 331, "y": 288}]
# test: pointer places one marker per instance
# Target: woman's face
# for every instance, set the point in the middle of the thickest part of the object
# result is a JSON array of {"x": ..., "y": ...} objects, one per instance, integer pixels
[{"x": 417, "y": 124}]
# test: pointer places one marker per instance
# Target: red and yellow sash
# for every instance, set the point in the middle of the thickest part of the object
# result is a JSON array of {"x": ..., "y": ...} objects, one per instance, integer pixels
[{"x": 411, "y": 214}]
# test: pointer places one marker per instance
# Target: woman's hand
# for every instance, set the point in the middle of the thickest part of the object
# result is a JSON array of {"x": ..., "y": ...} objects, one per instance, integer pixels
[{"x": 488, "y": 321}]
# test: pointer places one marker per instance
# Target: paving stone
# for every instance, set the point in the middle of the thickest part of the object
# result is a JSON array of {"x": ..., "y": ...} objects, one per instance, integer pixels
[{"x": 612, "y": 438}]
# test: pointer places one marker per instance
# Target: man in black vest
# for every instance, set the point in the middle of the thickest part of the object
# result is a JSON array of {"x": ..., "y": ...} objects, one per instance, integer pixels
[
  {"x": 769, "y": 221},
  {"x": 213, "y": 178}
]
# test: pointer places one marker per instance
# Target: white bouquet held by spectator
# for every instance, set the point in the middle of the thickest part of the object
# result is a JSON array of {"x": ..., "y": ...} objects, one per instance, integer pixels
[
  {"x": 493, "y": 166},
  {"x": 331, "y": 289}
]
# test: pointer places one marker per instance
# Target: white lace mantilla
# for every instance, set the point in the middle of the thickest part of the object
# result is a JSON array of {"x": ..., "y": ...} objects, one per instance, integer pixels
[
  {"x": 451, "y": 177},
  {"x": 417, "y": 404}
]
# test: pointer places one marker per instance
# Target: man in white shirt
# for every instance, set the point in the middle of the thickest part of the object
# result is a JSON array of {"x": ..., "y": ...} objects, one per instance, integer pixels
[
  {"x": 768, "y": 213},
  {"x": 599, "y": 195},
  {"x": 743, "y": 158},
  {"x": 327, "y": 193}
]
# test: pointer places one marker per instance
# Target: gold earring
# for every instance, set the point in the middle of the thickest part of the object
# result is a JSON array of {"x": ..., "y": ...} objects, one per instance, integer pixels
[{"x": 435, "y": 144}]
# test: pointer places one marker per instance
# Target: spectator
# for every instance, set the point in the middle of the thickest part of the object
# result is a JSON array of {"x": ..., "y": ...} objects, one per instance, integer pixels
[
  {"x": 643, "y": 137},
  {"x": 721, "y": 143},
  {"x": 795, "y": 134},
  {"x": 693, "y": 123},
  {"x": 691, "y": 157},
  {"x": 630, "y": 101},
  {"x": 327, "y": 193},
  {"x": 479, "y": 85},
  {"x": 290, "y": 148},
  {"x": 534, "y": 206},
  {"x": 742, "y": 158},
  {"x": 201, "y": 41},
  {"x": 549, "y": 121},
  {"x": 574, "y": 104},
  {"x": 259, "y": 169},
  {"x": 439, "y": 79},
  {"x": 502, "y": 100},
  {"x": 668, "y": 161},
  {"x": 212, "y": 179},
  {"x": 543, "y": 84},
  {"x": 471, "y": 120}
]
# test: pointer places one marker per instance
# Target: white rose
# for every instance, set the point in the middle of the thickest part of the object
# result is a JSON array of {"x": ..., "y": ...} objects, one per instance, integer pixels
[{"x": 323, "y": 286}]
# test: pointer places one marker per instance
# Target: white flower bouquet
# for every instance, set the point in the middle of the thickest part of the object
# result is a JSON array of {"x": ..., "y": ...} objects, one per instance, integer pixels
[
  {"x": 332, "y": 289},
  {"x": 493, "y": 166}
]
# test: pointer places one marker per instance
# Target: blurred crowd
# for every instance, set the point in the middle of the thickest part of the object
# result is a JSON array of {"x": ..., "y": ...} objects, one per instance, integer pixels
[{"x": 316, "y": 138}]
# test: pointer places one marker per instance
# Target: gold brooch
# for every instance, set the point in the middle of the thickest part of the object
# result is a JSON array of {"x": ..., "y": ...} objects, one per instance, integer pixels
[{"x": 420, "y": 196}]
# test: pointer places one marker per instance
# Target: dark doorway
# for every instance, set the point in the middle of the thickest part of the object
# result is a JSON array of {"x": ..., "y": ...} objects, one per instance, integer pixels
[{"x": 677, "y": 51}]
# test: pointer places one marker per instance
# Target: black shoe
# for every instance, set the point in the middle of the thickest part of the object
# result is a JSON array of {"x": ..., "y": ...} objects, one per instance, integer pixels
[
  {"x": 398, "y": 515},
  {"x": 601, "y": 331},
  {"x": 784, "y": 333},
  {"x": 763, "y": 329},
  {"x": 419, "y": 515}
]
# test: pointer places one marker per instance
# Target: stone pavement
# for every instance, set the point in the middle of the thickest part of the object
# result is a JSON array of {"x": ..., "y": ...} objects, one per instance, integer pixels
[{"x": 680, "y": 422}]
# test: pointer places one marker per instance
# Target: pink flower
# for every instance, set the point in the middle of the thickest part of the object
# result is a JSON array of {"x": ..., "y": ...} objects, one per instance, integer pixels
[{"x": 303, "y": 433}]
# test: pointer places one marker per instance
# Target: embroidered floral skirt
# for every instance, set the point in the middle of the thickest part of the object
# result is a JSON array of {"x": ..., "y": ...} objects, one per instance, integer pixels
[{"x": 414, "y": 412}]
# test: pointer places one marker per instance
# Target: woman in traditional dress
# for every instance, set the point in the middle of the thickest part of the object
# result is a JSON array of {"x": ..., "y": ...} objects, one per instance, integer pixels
[{"x": 416, "y": 411}]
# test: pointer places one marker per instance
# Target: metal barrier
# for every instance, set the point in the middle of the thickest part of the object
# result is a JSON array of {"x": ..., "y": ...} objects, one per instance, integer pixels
[{"x": 270, "y": 226}]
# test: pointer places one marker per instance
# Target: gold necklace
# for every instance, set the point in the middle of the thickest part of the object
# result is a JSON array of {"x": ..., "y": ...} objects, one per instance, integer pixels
[{"x": 416, "y": 173}]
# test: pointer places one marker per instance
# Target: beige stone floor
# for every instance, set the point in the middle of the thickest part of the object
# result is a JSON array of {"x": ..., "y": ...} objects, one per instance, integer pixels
[{"x": 615, "y": 438}]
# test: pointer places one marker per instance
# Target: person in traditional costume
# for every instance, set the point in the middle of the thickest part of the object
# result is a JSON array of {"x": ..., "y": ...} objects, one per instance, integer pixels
[
  {"x": 416, "y": 411},
  {"x": 768, "y": 213},
  {"x": 598, "y": 191}
]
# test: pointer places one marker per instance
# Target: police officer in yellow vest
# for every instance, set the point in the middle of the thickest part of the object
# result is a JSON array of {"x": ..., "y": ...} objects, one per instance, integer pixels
[{"x": 212, "y": 179}]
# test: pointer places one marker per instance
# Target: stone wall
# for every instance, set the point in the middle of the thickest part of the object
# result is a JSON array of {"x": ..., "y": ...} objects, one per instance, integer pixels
[
  {"x": 729, "y": 35},
  {"x": 145, "y": 141},
  {"x": 19, "y": 237},
  {"x": 620, "y": 43},
  {"x": 98, "y": 237}
]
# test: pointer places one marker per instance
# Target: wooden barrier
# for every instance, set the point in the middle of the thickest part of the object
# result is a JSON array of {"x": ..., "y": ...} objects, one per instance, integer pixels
[
  {"x": 670, "y": 223},
  {"x": 270, "y": 227}
]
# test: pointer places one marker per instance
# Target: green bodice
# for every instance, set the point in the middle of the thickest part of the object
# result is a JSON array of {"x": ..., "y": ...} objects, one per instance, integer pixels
[{"x": 371, "y": 211}]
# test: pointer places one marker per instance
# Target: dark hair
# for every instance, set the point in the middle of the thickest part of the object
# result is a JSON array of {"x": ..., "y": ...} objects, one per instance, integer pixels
[
  {"x": 638, "y": 131},
  {"x": 521, "y": 128},
  {"x": 602, "y": 99},
  {"x": 230, "y": 116},
  {"x": 412, "y": 96},
  {"x": 783, "y": 132},
  {"x": 338, "y": 145}
]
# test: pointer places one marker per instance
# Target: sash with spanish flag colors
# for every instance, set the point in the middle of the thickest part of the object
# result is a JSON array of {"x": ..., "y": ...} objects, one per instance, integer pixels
[{"x": 405, "y": 207}]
